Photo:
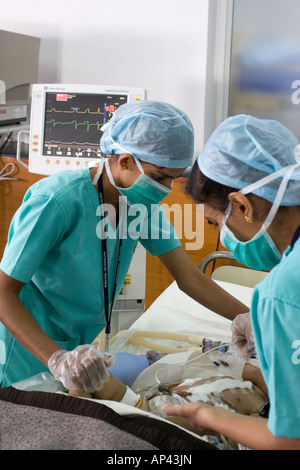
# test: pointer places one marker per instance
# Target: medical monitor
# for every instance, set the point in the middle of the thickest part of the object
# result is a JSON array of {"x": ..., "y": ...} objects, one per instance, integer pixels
[{"x": 66, "y": 122}]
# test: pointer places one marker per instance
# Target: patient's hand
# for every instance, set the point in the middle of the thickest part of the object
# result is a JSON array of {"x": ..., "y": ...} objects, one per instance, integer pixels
[
  {"x": 78, "y": 393},
  {"x": 113, "y": 389}
]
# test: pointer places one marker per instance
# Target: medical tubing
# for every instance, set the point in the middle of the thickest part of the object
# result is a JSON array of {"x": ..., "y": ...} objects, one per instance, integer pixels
[
  {"x": 5, "y": 173},
  {"x": 159, "y": 347},
  {"x": 138, "y": 338},
  {"x": 192, "y": 360},
  {"x": 189, "y": 338}
]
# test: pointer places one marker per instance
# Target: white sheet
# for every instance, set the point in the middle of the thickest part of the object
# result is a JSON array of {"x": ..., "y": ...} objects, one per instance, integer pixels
[{"x": 174, "y": 311}]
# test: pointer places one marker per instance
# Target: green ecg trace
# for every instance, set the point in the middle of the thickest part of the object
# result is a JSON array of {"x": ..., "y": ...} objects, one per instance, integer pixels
[{"x": 76, "y": 124}]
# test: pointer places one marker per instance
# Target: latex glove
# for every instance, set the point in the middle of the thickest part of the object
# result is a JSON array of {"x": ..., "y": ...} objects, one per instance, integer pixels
[
  {"x": 242, "y": 336},
  {"x": 84, "y": 368}
]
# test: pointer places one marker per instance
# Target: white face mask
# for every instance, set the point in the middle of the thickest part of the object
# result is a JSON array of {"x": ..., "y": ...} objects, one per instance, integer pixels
[{"x": 260, "y": 252}]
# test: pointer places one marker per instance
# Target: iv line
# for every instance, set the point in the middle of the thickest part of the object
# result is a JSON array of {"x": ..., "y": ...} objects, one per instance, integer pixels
[
  {"x": 5, "y": 172},
  {"x": 191, "y": 360}
]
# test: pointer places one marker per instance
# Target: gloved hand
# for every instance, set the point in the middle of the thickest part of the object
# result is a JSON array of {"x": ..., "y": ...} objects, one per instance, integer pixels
[
  {"x": 242, "y": 336},
  {"x": 84, "y": 368}
]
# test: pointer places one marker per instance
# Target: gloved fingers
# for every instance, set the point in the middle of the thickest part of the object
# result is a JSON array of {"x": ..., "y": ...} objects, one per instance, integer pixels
[
  {"x": 95, "y": 372},
  {"x": 99, "y": 359},
  {"x": 109, "y": 360},
  {"x": 72, "y": 374},
  {"x": 71, "y": 382},
  {"x": 241, "y": 324},
  {"x": 246, "y": 348},
  {"x": 84, "y": 368},
  {"x": 91, "y": 369},
  {"x": 242, "y": 335}
]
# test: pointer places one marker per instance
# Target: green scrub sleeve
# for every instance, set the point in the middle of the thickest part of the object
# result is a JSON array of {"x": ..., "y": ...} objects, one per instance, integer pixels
[
  {"x": 158, "y": 235},
  {"x": 35, "y": 228}
]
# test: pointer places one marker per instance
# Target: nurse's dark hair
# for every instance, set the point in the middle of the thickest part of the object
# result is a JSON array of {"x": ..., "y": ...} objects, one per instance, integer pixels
[{"x": 203, "y": 190}]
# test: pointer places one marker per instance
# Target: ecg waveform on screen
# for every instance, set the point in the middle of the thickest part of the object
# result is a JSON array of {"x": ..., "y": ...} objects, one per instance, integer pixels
[
  {"x": 108, "y": 109},
  {"x": 87, "y": 124},
  {"x": 74, "y": 143},
  {"x": 73, "y": 122}
]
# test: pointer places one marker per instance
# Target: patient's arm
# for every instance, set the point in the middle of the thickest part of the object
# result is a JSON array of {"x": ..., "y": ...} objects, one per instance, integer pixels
[
  {"x": 253, "y": 373},
  {"x": 113, "y": 389},
  {"x": 243, "y": 401}
]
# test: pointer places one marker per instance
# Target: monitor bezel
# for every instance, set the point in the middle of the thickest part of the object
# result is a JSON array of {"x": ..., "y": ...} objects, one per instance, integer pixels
[{"x": 44, "y": 164}]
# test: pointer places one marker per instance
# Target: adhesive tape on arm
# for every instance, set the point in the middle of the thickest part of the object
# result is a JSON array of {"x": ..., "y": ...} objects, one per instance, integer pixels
[{"x": 130, "y": 398}]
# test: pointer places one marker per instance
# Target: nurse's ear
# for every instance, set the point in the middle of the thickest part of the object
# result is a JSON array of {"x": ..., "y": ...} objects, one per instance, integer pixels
[
  {"x": 127, "y": 162},
  {"x": 243, "y": 206},
  {"x": 125, "y": 170}
]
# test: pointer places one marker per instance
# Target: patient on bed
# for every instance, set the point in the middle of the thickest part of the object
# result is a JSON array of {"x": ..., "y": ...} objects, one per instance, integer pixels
[{"x": 246, "y": 396}]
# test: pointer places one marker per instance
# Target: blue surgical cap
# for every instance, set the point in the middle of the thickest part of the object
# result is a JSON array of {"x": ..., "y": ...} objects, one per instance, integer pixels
[
  {"x": 244, "y": 149},
  {"x": 153, "y": 132}
]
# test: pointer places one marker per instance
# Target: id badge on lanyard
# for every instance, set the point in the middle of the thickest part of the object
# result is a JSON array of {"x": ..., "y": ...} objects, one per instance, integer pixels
[{"x": 108, "y": 306}]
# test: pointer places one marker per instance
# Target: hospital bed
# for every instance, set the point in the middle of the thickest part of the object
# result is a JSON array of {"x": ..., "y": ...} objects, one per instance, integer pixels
[{"x": 36, "y": 418}]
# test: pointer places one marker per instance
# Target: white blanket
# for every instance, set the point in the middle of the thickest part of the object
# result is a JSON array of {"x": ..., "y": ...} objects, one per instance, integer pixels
[{"x": 174, "y": 311}]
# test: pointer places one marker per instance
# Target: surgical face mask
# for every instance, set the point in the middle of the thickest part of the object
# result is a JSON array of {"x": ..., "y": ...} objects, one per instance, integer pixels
[
  {"x": 260, "y": 252},
  {"x": 144, "y": 190}
]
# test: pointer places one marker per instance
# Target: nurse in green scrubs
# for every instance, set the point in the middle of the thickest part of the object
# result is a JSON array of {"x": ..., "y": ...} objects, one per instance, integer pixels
[
  {"x": 65, "y": 262},
  {"x": 248, "y": 177}
]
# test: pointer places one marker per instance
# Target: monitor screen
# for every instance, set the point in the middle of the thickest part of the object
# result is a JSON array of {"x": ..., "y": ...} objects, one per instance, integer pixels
[{"x": 66, "y": 122}]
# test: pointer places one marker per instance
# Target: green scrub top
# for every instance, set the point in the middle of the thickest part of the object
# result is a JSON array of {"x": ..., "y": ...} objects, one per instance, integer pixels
[
  {"x": 54, "y": 248},
  {"x": 275, "y": 314}
]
